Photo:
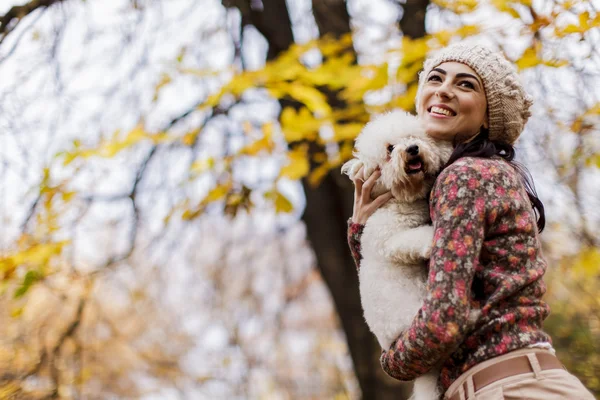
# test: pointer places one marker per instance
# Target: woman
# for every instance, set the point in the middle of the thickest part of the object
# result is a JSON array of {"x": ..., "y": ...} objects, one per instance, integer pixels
[{"x": 486, "y": 253}]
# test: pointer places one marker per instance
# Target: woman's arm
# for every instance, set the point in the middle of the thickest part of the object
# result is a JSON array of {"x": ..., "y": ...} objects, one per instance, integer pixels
[
  {"x": 364, "y": 207},
  {"x": 354, "y": 234},
  {"x": 458, "y": 213}
]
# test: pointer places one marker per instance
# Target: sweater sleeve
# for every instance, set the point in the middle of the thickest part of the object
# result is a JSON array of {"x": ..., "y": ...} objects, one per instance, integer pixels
[
  {"x": 457, "y": 211},
  {"x": 354, "y": 235}
]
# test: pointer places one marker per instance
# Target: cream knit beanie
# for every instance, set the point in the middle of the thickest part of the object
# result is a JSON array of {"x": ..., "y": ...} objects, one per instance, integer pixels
[{"x": 508, "y": 103}]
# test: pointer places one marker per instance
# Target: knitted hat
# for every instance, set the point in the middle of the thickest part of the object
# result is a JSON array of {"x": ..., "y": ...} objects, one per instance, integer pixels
[{"x": 507, "y": 102}]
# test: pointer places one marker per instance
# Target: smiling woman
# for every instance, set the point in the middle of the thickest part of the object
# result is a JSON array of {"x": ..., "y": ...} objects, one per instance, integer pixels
[
  {"x": 453, "y": 105},
  {"x": 481, "y": 320}
]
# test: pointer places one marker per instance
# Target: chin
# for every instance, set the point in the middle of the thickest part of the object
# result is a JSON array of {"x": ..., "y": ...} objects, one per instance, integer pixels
[{"x": 440, "y": 134}]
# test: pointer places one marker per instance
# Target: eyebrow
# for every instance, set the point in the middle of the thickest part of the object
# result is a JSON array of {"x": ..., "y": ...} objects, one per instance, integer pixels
[{"x": 459, "y": 75}]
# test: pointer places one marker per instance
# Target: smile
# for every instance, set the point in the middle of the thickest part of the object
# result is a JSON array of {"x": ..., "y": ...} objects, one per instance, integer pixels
[{"x": 438, "y": 110}]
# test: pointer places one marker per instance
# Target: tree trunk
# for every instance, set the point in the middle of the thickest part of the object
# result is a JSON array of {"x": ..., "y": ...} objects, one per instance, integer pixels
[
  {"x": 412, "y": 23},
  {"x": 329, "y": 205}
]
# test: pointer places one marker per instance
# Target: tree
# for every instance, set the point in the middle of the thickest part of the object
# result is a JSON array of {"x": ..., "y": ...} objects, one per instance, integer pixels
[{"x": 321, "y": 104}]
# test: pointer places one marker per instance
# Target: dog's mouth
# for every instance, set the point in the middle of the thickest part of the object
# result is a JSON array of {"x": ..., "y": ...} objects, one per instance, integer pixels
[{"x": 414, "y": 165}]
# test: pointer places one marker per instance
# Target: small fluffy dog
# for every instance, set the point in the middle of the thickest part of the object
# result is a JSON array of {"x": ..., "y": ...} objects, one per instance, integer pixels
[{"x": 397, "y": 238}]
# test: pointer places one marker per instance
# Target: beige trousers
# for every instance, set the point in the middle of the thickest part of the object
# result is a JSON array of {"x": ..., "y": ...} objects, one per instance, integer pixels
[{"x": 552, "y": 384}]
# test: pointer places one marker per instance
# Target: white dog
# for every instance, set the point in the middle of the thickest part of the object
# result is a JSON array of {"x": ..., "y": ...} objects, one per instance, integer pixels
[{"x": 397, "y": 238}]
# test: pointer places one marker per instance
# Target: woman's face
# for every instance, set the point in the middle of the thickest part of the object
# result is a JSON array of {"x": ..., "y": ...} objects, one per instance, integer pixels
[{"x": 453, "y": 102}]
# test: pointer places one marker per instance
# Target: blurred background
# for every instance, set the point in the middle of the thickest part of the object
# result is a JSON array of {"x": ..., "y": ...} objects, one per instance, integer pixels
[{"x": 172, "y": 216}]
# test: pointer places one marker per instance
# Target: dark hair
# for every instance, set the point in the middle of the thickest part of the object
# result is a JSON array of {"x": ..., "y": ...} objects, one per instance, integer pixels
[{"x": 481, "y": 146}]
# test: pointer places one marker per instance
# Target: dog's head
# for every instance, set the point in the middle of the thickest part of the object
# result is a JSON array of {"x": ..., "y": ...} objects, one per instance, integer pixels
[{"x": 408, "y": 159}]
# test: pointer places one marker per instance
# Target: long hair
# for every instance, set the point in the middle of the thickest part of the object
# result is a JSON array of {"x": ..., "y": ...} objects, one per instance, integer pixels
[{"x": 481, "y": 146}]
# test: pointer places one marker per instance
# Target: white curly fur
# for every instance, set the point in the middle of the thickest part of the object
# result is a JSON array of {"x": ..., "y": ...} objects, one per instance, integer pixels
[{"x": 397, "y": 238}]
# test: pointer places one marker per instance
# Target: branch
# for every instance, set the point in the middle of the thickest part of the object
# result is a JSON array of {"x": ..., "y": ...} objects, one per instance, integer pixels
[
  {"x": 111, "y": 262},
  {"x": 270, "y": 18},
  {"x": 11, "y": 19},
  {"x": 69, "y": 332}
]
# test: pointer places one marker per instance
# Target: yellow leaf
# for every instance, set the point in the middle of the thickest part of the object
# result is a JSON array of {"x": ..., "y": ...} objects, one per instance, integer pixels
[
  {"x": 346, "y": 150},
  {"x": 16, "y": 312},
  {"x": 300, "y": 125},
  {"x": 213, "y": 100},
  {"x": 38, "y": 254},
  {"x": 409, "y": 74},
  {"x": 332, "y": 47},
  {"x": 217, "y": 193},
  {"x": 180, "y": 55},
  {"x": 407, "y": 100},
  {"x": 264, "y": 144},
  {"x": 199, "y": 72},
  {"x": 282, "y": 204},
  {"x": 505, "y": 6},
  {"x": 583, "y": 20},
  {"x": 68, "y": 196},
  {"x": 190, "y": 138},
  {"x": 468, "y": 30},
  {"x": 577, "y": 124},
  {"x": 528, "y": 59},
  {"x": 347, "y": 131},
  {"x": 201, "y": 166},
  {"x": 317, "y": 175},
  {"x": 593, "y": 160},
  {"x": 334, "y": 72},
  {"x": 588, "y": 262},
  {"x": 165, "y": 79},
  {"x": 298, "y": 165},
  {"x": 371, "y": 78},
  {"x": 414, "y": 50},
  {"x": 311, "y": 97},
  {"x": 9, "y": 390},
  {"x": 458, "y": 6}
]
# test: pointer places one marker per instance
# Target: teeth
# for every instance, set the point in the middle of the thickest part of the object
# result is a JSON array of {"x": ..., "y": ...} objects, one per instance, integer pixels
[{"x": 439, "y": 110}]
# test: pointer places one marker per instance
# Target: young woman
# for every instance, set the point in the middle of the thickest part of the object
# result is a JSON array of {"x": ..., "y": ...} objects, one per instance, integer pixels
[{"x": 486, "y": 252}]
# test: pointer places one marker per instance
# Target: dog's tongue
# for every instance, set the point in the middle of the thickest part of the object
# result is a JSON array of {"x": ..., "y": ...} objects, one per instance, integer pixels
[{"x": 415, "y": 166}]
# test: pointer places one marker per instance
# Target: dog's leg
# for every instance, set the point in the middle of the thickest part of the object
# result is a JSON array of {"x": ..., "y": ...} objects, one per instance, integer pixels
[
  {"x": 426, "y": 388},
  {"x": 409, "y": 246}
]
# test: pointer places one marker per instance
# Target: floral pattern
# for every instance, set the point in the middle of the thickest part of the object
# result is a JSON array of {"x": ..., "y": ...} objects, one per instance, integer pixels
[
  {"x": 485, "y": 275},
  {"x": 354, "y": 233}
]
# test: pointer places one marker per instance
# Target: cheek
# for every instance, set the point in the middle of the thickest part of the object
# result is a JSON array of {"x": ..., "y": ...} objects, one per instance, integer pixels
[
  {"x": 474, "y": 106},
  {"x": 425, "y": 96}
]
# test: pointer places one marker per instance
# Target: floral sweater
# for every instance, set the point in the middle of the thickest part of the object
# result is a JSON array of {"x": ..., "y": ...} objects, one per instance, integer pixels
[{"x": 485, "y": 256}]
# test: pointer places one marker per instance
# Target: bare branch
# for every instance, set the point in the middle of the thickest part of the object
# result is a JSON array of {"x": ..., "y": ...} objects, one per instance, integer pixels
[{"x": 11, "y": 19}]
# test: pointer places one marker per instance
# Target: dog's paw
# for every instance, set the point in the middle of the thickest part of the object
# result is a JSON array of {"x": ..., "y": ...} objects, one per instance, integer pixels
[
  {"x": 352, "y": 167},
  {"x": 426, "y": 251}
]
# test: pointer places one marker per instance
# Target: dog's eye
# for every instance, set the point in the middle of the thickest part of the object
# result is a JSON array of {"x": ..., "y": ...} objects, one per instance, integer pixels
[{"x": 390, "y": 148}]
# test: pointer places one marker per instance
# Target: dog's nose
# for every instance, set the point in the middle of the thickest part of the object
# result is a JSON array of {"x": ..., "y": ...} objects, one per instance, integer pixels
[{"x": 413, "y": 150}]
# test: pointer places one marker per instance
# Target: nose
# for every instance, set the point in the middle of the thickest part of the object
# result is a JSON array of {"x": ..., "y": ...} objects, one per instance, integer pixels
[
  {"x": 444, "y": 91},
  {"x": 413, "y": 150}
]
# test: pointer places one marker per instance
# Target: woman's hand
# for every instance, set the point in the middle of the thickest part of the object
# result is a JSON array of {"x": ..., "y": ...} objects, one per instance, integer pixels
[{"x": 364, "y": 206}]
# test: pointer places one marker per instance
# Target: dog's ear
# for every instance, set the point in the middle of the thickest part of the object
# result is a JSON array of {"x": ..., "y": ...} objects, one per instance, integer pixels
[{"x": 351, "y": 167}]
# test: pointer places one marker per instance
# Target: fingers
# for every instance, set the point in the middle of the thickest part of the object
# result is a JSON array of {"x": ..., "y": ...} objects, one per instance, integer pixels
[
  {"x": 369, "y": 183},
  {"x": 382, "y": 199},
  {"x": 358, "y": 182}
]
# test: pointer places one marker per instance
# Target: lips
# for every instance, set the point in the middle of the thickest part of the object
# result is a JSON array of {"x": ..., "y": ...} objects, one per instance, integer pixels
[{"x": 441, "y": 110}]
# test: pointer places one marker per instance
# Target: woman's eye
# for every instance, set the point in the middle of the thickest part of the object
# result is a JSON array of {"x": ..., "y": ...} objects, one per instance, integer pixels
[
  {"x": 467, "y": 84},
  {"x": 390, "y": 148},
  {"x": 434, "y": 78}
]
